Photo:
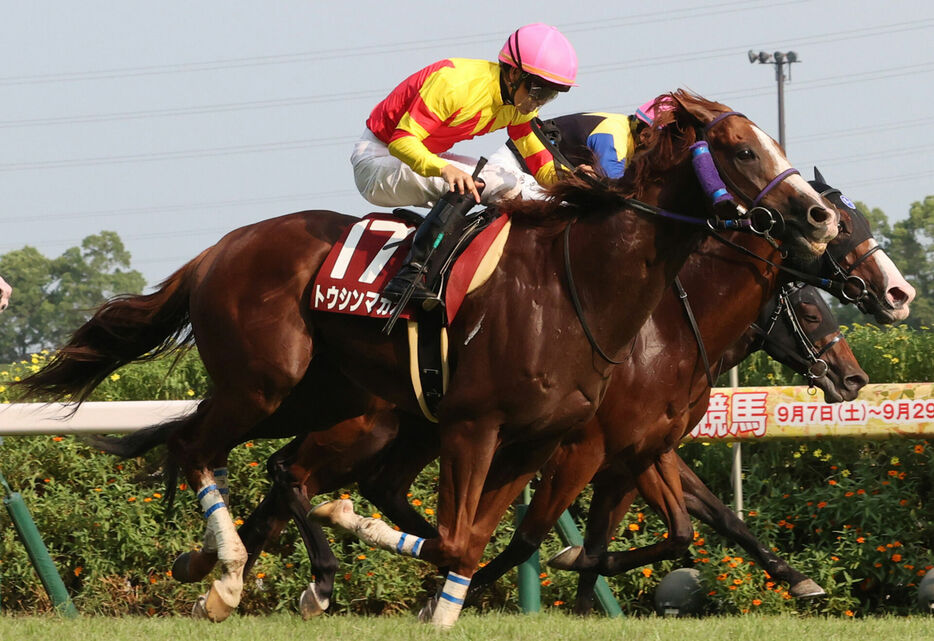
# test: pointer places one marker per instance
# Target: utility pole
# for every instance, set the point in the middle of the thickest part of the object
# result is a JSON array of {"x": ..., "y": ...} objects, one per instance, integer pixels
[{"x": 779, "y": 59}]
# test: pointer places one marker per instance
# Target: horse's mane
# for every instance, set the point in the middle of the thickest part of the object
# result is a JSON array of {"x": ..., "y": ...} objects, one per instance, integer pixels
[{"x": 660, "y": 148}]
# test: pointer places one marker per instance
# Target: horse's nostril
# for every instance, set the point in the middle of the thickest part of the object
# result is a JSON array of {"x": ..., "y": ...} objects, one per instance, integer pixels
[
  {"x": 855, "y": 382},
  {"x": 818, "y": 215},
  {"x": 897, "y": 297}
]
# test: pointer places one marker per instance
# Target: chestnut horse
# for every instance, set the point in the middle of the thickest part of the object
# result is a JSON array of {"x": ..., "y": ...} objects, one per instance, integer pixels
[
  {"x": 358, "y": 451},
  {"x": 525, "y": 370},
  {"x": 299, "y": 466}
]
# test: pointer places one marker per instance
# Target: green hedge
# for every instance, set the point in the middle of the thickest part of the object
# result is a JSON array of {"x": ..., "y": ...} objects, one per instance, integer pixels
[{"x": 855, "y": 515}]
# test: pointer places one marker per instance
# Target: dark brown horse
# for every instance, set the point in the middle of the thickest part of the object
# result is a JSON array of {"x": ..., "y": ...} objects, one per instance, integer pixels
[{"x": 525, "y": 373}]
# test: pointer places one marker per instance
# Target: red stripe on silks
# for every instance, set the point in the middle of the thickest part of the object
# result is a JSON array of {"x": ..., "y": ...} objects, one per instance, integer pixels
[
  {"x": 519, "y": 131},
  {"x": 387, "y": 114},
  {"x": 466, "y": 266},
  {"x": 538, "y": 160}
]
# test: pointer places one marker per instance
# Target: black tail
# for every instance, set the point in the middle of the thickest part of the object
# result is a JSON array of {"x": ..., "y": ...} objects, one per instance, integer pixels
[{"x": 124, "y": 329}]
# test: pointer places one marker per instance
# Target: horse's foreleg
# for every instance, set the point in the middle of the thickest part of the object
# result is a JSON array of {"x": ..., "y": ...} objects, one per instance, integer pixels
[
  {"x": 705, "y": 506},
  {"x": 562, "y": 479},
  {"x": 660, "y": 485},
  {"x": 609, "y": 505},
  {"x": 387, "y": 484}
]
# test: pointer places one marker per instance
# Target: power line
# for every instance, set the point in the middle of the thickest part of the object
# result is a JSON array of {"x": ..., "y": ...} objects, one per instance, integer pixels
[
  {"x": 398, "y": 47},
  {"x": 359, "y": 95}
]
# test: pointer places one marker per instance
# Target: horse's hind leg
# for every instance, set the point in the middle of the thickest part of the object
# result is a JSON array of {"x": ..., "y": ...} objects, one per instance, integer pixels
[{"x": 705, "y": 506}]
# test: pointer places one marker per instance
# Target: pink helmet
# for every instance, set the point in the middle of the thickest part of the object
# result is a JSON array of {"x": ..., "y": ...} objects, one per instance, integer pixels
[{"x": 541, "y": 50}]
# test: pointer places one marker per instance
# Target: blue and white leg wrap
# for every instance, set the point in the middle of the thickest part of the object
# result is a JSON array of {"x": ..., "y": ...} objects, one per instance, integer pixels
[
  {"x": 451, "y": 600},
  {"x": 211, "y": 500},
  {"x": 220, "y": 480},
  {"x": 409, "y": 544}
]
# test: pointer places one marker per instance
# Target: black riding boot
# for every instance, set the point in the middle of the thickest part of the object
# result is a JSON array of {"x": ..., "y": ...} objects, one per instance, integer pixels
[{"x": 433, "y": 239}]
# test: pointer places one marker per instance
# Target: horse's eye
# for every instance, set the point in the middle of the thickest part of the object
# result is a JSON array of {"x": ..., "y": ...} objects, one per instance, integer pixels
[{"x": 746, "y": 154}]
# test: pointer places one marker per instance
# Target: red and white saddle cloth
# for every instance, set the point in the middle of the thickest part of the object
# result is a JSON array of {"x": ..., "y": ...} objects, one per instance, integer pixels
[{"x": 372, "y": 251}]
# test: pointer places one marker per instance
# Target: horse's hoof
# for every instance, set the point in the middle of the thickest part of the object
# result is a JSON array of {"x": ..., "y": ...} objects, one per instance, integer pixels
[
  {"x": 806, "y": 589},
  {"x": 197, "y": 610},
  {"x": 339, "y": 513},
  {"x": 311, "y": 604},
  {"x": 426, "y": 614},
  {"x": 566, "y": 558},
  {"x": 184, "y": 570},
  {"x": 214, "y": 605}
]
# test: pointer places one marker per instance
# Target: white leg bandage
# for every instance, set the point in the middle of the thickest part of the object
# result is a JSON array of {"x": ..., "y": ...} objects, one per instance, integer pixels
[
  {"x": 220, "y": 480},
  {"x": 451, "y": 600},
  {"x": 378, "y": 533}
]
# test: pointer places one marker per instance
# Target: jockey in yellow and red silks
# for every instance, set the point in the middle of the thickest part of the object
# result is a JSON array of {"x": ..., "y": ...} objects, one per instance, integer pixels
[{"x": 401, "y": 159}]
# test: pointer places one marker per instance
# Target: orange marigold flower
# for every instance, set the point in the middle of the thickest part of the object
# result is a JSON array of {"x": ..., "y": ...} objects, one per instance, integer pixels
[
  {"x": 543, "y": 575},
  {"x": 757, "y": 602},
  {"x": 893, "y": 473},
  {"x": 260, "y": 575},
  {"x": 646, "y": 572},
  {"x": 896, "y": 557},
  {"x": 860, "y": 539},
  {"x": 849, "y": 613},
  {"x": 860, "y": 491},
  {"x": 822, "y": 505},
  {"x": 634, "y": 527},
  {"x": 345, "y": 496},
  {"x": 429, "y": 511},
  {"x": 880, "y": 548},
  {"x": 361, "y": 556},
  {"x": 752, "y": 513},
  {"x": 733, "y": 587},
  {"x": 832, "y": 482},
  {"x": 557, "y": 603},
  {"x": 919, "y": 448},
  {"x": 546, "y": 582},
  {"x": 58, "y": 438},
  {"x": 737, "y": 581},
  {"x": 721, "y": 577},
  {"x": 253, "y": 463},
  {"x": 416, "y": 502},
  {"x": 347, "y": 577},
  {"x": 131, "y": 499},
  {"x": 848, "y": 494},
  {"x": 79, "y": 570}
]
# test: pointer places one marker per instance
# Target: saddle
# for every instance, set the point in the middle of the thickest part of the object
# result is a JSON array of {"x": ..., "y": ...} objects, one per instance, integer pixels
[{"x": 369, "y": 254}]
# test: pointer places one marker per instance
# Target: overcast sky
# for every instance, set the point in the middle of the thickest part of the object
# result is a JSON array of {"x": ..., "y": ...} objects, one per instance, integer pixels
[{"x": 172, "y": 123}]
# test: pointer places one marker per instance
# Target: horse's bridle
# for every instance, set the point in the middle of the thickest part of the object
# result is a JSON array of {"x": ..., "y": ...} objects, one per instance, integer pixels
[
  {"x": 846, "y": 273},
  {"x": 754, "y": 209},
  {"x": 816, "y": 366}
]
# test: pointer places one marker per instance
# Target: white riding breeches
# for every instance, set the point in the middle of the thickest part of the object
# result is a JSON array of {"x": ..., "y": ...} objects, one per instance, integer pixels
[{"x": 386, "y": 181}]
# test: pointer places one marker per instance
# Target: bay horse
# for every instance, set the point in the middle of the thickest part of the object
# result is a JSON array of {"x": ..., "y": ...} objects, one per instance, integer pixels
[{"x": 525, "y": 371}]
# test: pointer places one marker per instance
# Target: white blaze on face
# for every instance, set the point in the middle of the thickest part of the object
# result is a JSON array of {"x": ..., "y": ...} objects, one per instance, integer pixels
[{"x": 776, "y": 163}]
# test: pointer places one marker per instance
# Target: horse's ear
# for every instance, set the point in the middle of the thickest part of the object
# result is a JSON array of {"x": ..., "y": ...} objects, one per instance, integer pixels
[{"x": 818, "y": 176}]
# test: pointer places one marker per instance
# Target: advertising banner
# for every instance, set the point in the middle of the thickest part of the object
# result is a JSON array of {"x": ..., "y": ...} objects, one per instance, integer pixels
[{"x": 880, "y": 411}]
